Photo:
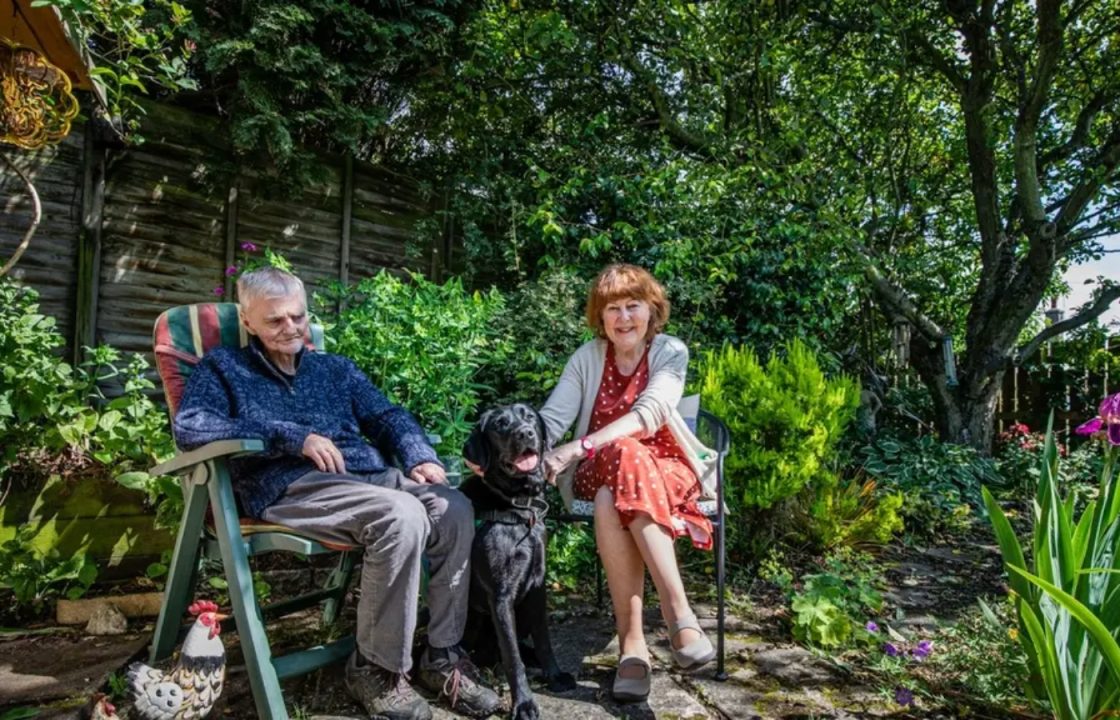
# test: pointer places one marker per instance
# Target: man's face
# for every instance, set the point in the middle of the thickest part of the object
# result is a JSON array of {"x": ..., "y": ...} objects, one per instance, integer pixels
[{"x": 279, "y": 322}]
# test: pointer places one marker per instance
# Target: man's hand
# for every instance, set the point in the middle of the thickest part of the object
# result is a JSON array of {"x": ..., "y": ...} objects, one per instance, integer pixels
[
  {"x": 324, "y": 453},
  {"x": 561, "y": 458},
  {"x": 428, "y": 473},
  {"x": 476, "y": 469}
]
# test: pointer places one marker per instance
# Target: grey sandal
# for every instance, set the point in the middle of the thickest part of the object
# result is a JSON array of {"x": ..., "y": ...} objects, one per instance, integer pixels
[
  {"x": 631, "y": 689},
  {"x": 697, "y": 652}
]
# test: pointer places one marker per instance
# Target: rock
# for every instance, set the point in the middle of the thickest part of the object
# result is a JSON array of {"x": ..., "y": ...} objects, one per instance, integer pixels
[
  {"x": 107, "y": 620},
  {"x": 77, "y": 612},
  {"x": 792, "y": 666}
]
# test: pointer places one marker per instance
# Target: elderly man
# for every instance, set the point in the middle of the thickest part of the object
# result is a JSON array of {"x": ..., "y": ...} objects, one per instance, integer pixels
[{"x": 329, "y": 435}]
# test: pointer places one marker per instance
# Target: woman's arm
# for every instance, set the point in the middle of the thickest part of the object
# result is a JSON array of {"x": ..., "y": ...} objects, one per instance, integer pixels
[{"x": 563, "y": 457}]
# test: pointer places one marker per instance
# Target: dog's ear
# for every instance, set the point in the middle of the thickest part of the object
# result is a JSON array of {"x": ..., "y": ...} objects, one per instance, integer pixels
[{"x": 477, "y": 447}]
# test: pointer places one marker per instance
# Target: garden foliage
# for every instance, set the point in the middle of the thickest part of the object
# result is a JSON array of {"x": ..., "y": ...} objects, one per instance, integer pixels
[
  {"x": 57, "y": 419},
  {"x": 940, "y": 482},
  {"x": 830, "y": 607},
  {"x": 423, "y": 344},
  {"x": 785, "y": 418},
  {"x": 1068, "y": 593}
]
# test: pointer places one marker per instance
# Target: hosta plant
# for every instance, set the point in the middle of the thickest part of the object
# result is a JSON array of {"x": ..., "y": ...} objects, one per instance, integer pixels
[{"x": 1068, "y": 595}]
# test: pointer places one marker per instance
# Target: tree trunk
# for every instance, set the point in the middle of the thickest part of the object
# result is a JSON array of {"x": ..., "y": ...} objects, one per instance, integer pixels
[{"x": 964, "y": 413}]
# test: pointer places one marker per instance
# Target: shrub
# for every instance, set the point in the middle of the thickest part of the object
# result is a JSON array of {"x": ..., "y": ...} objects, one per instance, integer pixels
[
  {"x": 784, "y": 418},
  {"x": 422, "y": 344},
  {"x": 1019, "y": 459},
  {"x": 544, "y": 320},
  {"x": 37, "y": 389},
  {"x": 48, "y": 406},
  {"x": 849, "y": 513},
  {"x": 938, "y": 481}
]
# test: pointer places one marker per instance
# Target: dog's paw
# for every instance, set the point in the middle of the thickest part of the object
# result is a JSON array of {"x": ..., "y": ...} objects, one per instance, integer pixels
[
  {"x": 526, "y": 710},
  {"x": 561, "y": 682}
]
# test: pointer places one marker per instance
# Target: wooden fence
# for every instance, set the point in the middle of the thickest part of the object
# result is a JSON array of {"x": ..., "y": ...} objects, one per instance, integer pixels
[
  {"x": 128, "y": 232},
  {"x": 1028, "y": 396}
]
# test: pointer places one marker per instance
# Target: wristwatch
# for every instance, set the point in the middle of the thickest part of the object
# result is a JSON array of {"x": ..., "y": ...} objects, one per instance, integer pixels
[{"x": 588, "y": 447}]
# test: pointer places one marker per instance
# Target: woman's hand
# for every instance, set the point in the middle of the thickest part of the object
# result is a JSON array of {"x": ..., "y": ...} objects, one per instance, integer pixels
[{"x": 560, "y": 458}]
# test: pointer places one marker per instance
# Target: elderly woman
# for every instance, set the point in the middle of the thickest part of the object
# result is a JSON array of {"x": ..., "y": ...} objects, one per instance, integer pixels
[{"x": 634, "y": 457}]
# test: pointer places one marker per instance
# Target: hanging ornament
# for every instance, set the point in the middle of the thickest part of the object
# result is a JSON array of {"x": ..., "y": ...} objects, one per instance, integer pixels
[{"x": 38, "y": 104}]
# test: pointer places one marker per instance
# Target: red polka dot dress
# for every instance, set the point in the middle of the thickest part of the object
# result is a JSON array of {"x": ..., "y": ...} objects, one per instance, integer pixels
[{"x": 649, "y": 475}]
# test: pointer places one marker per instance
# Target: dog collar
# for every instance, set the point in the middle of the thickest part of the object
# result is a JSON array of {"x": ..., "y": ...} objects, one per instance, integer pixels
[{"x": 528, "y": 513}]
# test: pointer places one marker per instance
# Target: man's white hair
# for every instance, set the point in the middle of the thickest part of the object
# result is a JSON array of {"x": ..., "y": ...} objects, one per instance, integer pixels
[{"x": 268, "y": 282}]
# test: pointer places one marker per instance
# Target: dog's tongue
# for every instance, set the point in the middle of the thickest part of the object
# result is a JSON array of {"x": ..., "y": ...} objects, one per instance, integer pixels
[{"x": 526, "y": 462}]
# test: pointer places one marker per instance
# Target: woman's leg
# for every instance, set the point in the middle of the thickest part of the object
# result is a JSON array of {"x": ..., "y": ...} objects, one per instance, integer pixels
[
  {"x": 655, "y": 544},
  {"x": 625, "y": 575}
]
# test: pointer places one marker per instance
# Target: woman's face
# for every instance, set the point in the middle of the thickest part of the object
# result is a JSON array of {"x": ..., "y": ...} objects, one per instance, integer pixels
[{"x": 625, "y": 321}]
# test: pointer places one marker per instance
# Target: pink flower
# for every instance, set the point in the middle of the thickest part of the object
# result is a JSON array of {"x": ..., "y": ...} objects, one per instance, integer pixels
[
  {"x": 231, "y": 271},
  {"x": 1106, "y": 421},
  {"x": 219, "y": 291},
  {"x": 248, "y": 247}
]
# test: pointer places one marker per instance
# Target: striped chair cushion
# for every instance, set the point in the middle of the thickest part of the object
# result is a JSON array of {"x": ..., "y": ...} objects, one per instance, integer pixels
[{"x": 183, "y": 334}]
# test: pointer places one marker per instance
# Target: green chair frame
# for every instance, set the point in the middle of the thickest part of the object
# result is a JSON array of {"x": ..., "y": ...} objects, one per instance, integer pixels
[{"x": 204, "y": 475}]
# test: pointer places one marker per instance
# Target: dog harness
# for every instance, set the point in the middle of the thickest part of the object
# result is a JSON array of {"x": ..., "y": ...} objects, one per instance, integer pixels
[{"x": 525, "y": 511}]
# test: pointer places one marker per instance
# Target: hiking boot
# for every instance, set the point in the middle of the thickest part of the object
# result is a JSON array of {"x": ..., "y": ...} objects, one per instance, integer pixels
[
  {"x": 451, "y": 674},
  {"x": 384, "y": 694}
]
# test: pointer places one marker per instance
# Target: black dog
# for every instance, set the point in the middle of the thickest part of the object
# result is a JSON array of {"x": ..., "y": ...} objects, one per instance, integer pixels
[{"x": 508, "y": 555}]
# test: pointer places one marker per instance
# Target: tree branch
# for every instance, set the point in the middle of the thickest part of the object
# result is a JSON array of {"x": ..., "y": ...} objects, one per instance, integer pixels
[
  {"x": 36, "y": 216},
  {"x": 1080, "y": 132},
  {"x": 1030, "y": 109},
  {"x": 895, "y": 298},
  {"x": 1097, "y": 173},
  {"x": 1102, "y": 303}
]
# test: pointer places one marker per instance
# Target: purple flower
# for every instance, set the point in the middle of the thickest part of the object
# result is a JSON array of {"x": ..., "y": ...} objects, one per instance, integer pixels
[
  {"x": 1107, "y": 420},
  {"x": 248, "y": 247},
  {"x": 871, "y": 626},
  {"x": 891, "y": 649},
  {"x": 219, "y": 291},
  {"x": 923, "y": 649},
  {"x": 903, "y": 696},
  {"x": 231, "y": 271}
]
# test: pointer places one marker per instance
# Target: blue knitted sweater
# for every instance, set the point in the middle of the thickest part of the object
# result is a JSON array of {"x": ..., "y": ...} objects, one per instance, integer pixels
[{"x": 238, "y": 393}]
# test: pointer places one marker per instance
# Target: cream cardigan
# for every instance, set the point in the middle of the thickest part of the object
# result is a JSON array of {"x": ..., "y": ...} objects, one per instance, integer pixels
[{"x": 573, "y": 399}]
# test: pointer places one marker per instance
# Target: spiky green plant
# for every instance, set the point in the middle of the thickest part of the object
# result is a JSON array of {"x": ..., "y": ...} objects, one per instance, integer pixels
[{"x": 1068, "y": 595}]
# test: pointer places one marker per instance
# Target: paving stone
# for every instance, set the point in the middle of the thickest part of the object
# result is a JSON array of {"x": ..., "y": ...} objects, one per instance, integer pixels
[{"x": 793, "y": 666}]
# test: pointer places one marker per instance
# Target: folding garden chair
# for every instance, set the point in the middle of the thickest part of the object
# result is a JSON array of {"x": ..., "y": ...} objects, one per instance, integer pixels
[
  {"x": 182, "y": 336},
  {"x": 713, "y": 433}
]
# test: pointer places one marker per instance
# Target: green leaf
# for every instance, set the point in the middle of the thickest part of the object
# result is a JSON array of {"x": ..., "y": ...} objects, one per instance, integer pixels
[
  {"x": 136, "y": 480},
  {"x": 1102, "y": 636}
]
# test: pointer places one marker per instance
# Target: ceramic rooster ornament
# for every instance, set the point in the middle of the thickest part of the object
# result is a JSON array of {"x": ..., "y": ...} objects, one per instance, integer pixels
[
  {"x": 190, "y": 689},
  {"x": 99, "y": 708}
]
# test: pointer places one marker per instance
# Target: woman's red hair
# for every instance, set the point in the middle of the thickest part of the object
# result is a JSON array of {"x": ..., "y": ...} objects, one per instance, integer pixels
[{"x": 622, "y": 281}]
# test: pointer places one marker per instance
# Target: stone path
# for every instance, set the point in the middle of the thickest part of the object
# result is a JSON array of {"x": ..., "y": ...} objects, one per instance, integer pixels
[{"x": 769, "y": 677}]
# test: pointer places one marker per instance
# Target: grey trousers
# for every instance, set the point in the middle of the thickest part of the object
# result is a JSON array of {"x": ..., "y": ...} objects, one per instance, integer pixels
[{"x": 397, "y": 520}]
